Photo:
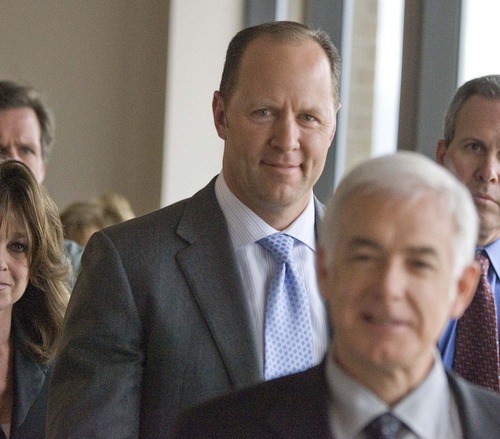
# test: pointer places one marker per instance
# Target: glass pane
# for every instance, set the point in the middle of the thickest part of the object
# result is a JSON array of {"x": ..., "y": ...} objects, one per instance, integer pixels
[{"x": 479, "y": 39}]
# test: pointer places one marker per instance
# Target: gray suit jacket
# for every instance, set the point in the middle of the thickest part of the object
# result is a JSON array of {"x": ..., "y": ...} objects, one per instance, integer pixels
[
  {"x": 296, "y": 407},
  {"x": 157, "y": 322}
]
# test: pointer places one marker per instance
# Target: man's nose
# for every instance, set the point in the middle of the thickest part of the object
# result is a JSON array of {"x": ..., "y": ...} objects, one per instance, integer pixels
[
  {"x": 489, "y": 169},
  {"x": 286, "y": 133},
  {"x": 392, "y": 279}
]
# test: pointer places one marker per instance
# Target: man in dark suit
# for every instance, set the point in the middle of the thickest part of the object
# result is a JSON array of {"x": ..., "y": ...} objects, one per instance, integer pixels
[
  {"x": 470, "y": 149},
  {"x": 168, "y": 310},
  {"x": 395, "y": 261}
]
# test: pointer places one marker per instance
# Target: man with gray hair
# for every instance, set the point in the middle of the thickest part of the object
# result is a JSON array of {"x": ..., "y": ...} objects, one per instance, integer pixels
[
  {"x": 395, "y": 262},
  {"x": 471, "y": 150}
]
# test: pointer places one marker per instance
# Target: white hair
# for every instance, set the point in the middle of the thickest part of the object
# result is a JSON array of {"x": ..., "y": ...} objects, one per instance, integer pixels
[{"x": 407, "y": 175}]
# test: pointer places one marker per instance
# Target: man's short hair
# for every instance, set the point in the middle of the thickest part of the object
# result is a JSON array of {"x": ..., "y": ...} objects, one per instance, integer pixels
[
  {"x": 486, "y": 86},
  {"x": 280, "y": 31},
  {"x": 15, "y": 95}
]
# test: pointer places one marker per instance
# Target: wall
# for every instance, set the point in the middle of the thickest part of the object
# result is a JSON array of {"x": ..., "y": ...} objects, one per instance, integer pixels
[
  {"x": 360, "y": 94},
  {"x": 104, "y": 69},
  {"x": 199, "y": 34}
]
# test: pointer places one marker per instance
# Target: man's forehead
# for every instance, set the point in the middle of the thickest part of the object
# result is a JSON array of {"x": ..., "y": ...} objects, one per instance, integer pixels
[{"x": 21, "y": 121}]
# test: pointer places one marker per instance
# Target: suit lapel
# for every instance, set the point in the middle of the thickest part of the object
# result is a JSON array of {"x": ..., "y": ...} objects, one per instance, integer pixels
[
  {"x": 29, "y": 378},
  {"x": 475, "y": 411},
  {"x": 209, "y": 265}
]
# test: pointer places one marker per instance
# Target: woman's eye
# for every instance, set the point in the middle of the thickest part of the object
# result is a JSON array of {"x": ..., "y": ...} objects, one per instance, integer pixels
[{"x": 18, "y": 247}]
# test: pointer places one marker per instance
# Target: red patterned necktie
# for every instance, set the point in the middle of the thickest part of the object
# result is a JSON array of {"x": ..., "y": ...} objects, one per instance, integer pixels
[{"x": 476, "y": 350}]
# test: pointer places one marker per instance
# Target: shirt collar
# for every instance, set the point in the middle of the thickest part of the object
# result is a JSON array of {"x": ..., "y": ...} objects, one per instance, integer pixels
[
  {"x": 423, "y": 410},
  {"x": 493, "y": 252},
  {"x": 246, "y": 227}
]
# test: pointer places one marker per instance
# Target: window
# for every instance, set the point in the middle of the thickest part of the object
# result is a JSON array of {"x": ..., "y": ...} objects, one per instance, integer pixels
[{"x": 480, "y": 34}]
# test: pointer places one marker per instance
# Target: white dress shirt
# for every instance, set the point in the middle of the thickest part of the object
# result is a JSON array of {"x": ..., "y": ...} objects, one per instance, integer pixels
[{"x": 429, "y": 411}]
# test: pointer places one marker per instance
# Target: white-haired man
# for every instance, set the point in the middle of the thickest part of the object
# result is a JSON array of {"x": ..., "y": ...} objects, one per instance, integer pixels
[{"x": 393, "y": 272}]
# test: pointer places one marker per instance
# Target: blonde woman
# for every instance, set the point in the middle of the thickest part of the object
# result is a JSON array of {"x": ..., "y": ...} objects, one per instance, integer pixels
[{"x": 33, "y": 298}]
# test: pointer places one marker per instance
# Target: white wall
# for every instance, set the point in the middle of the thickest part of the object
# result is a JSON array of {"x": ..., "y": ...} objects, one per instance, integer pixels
[
  {"x": 199, "y": 33},
  {"x": 104, "y": 67}
]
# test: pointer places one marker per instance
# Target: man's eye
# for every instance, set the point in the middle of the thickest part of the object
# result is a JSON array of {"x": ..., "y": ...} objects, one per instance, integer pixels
[
  {"x": 473, "y": 147},
  {"x": 419, "y": 264},
  {"x": 308, "y": 118},
  {"x": 362, "y": 257},
  {"x": 263, "y": 112},
  {"x": 26, "y": 150}
]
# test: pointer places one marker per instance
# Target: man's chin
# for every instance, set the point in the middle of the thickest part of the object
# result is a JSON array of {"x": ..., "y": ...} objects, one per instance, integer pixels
[{"x": 489, "y": 228}]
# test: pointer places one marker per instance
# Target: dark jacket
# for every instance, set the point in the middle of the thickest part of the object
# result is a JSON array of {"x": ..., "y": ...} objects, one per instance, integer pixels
[
  {"x": 31, "y": 379},
  {"x": 296, "y": 406}
]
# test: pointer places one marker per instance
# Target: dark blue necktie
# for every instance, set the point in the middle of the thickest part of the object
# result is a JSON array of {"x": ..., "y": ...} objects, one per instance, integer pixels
[{"x": 386, "y": 426}]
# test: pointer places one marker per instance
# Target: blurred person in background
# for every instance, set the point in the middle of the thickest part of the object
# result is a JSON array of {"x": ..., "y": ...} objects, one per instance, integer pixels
[
  {"x": 82, "y": 219},
  {"x": 116, "y": 206}
]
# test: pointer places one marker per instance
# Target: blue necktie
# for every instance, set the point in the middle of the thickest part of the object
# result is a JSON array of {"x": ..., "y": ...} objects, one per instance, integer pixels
[
  {"x": 287, "y": 332},
  {"x": 386, "y": 426}
]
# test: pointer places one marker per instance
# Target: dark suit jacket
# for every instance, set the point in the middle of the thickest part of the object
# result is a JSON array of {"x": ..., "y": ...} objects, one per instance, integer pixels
[
  {"x": 30, "y": 391},
  {"x": 157, "y": 322},
  {"x": 297, "y": 407}
]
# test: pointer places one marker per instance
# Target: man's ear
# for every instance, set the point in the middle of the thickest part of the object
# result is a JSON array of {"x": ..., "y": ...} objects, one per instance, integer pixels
[
  {"x": 441, "y": 151},
  {"x": 219, "y": 114},
  {"x": 466, "y": 288},
  {"x": 334, "y": 130}
]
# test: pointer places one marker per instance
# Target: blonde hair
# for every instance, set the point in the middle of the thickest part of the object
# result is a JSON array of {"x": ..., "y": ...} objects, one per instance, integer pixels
[
  {"x": 81, "y": 216},
  {"x": 116, "y": 207}
]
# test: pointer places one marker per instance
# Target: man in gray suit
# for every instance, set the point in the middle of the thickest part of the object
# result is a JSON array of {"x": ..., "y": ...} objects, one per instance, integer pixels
[
  {"x": 395, "y": 261},
  {"x": 168, "y": 310}
]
